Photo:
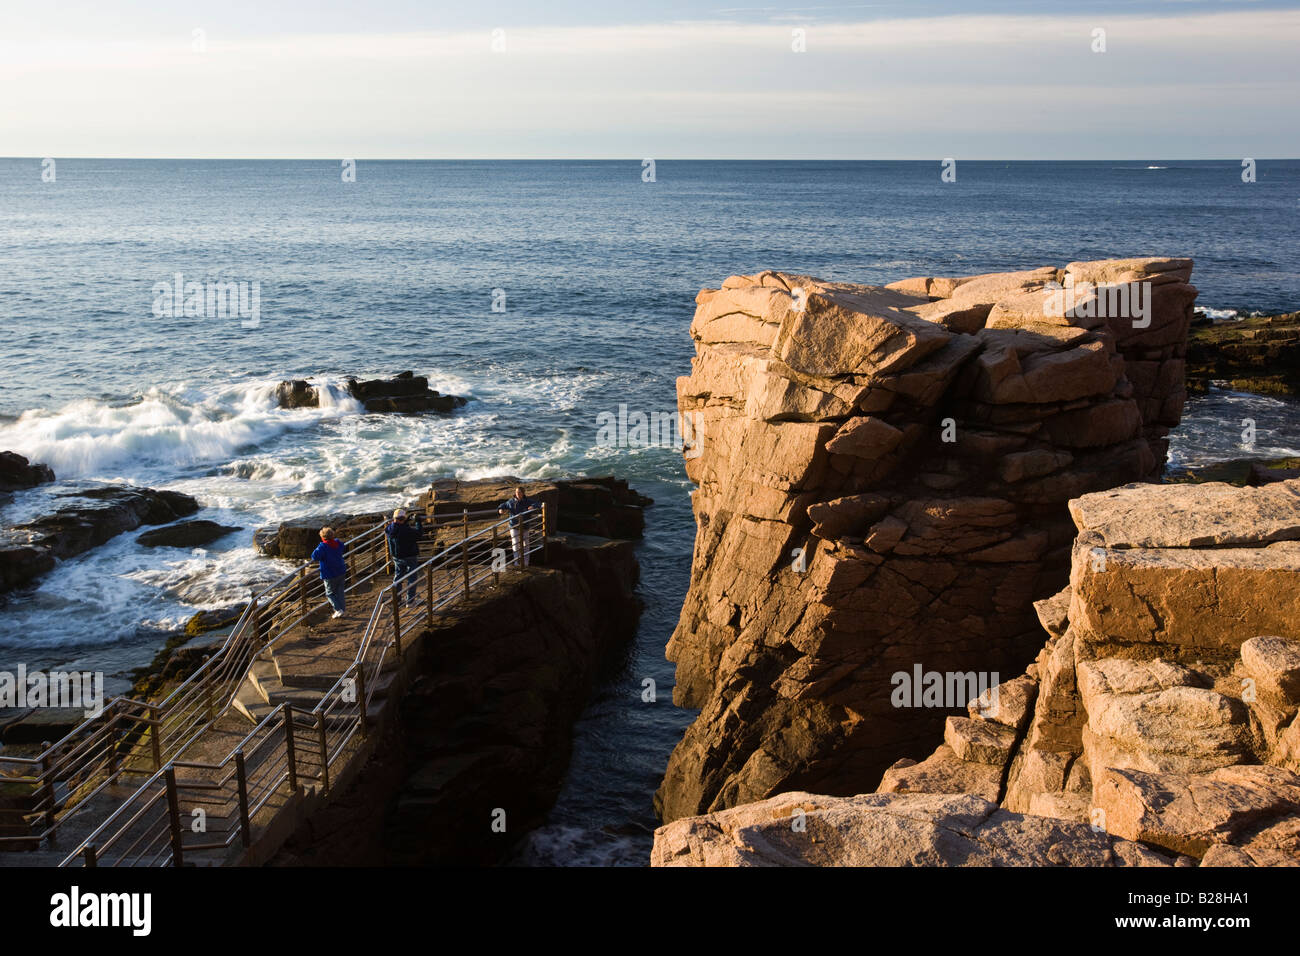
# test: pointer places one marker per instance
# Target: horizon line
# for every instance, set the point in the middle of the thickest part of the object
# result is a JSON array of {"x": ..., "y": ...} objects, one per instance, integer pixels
[{"x": 657, "y": 159}]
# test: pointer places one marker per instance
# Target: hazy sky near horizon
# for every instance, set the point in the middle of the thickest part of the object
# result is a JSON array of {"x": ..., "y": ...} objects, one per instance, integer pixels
[{"x": 986, "y": 79}]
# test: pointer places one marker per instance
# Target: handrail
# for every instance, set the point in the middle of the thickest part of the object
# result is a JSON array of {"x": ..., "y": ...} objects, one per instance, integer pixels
[
  {"x": 182, "y": 716},
  {"x": 384, "y": 631}
]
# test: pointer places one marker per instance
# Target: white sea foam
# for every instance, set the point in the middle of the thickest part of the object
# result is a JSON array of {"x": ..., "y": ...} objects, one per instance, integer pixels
[
  {"x": 175, "y": 426},
  {"x": 1220, "y": 315}
]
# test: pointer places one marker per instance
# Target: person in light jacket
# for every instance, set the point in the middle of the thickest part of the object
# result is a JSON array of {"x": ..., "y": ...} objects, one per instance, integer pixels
[{"x": 516, "y": 507}]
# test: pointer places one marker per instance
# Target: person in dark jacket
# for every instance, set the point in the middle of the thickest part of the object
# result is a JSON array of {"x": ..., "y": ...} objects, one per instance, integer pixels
[
  {"x": 333, "y": 570},
  {"x": 404, "y": 550},
  {"x": 516, "y": 508}
]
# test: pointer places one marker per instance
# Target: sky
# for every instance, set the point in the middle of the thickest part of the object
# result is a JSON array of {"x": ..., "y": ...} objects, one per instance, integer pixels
[{"x": 663, "y": 79}]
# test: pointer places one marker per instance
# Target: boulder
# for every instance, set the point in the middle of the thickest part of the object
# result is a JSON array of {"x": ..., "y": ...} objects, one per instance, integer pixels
[
  {"x": 888, "y": 829},
  {"x": 185, "y": 534},
  {"x": 16, "y": 472},
  {"x": 1189, "y": 813},
  {"x": 404, "y": 392}
]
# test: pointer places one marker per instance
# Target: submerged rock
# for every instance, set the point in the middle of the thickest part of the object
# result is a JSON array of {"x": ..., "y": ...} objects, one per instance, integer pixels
[{"x": 186, "y": 534}]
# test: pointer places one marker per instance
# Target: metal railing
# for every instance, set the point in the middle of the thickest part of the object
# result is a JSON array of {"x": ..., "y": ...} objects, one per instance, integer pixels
[
  {"x": 291, "y": 747},
  {"x": 80, "y": 776}
]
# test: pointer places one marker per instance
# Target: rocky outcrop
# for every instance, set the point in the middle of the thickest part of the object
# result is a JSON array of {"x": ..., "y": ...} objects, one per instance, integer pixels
[
  {"x": 1258, "y": 354},
  {"x": 404, "y": 392},
  {"x": 1163, "y": 709},
  {"x": 17, "y": 473},
  {"x": 30, "y": 550},
  {"x": 1166, "y": 696},
  {"x": 296, "y": 539},
  {"x": 883, "y": 476}
]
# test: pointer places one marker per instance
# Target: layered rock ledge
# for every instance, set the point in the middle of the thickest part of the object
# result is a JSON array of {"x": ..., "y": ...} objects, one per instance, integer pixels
[
  {"x": 883, "y": 476},
  {"x": 1258, "y": 354},
  {"x": 1163, "y": 710}
]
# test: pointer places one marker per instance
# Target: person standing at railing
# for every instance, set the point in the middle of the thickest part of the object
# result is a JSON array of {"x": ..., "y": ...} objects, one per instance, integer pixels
[
  {"x": 404, "y": 551},
  {"x": 516, "y": 507},
  {"x": 333, "y": 571}
]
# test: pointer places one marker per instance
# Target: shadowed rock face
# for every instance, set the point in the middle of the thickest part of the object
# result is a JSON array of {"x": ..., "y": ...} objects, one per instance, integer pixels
[
  {"x": 16, "y": 472},
  {"x": 883, "y": 476}
]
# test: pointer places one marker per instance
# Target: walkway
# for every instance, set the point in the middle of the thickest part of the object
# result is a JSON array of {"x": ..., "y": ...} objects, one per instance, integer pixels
[{"x": 224, "y": 768}]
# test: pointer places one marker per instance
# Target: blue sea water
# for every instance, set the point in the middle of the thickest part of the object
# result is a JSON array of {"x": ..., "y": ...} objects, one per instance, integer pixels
[{"x": 597, "y": 271}]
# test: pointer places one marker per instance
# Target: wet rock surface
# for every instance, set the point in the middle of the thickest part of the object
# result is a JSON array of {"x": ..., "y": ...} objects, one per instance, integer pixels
[
  {"x": 32, "y": 549},
  {"x": 17, "y": 473}
]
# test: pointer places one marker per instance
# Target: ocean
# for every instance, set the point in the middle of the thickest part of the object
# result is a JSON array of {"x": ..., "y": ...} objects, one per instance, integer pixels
[{"x": 545, "y": 292}]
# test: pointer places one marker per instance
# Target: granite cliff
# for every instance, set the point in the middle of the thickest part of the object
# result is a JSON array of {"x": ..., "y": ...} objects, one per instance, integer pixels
[{"x": 883, "y": 477}]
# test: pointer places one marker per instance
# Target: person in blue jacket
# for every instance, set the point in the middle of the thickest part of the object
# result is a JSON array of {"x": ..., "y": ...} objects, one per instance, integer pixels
[
  {"x": 516, "y": 507},
  {"x": 333, "y": 571}
]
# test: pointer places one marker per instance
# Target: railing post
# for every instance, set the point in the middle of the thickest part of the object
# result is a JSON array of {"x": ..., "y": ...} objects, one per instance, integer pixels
[
  {"x": 464, "y": 550},
  {"x": 546, "y": 548},
  {"x": 90, "y": 856},
  {"x": 155, "y": 745},
  {"x": 302, "y": 589},
  {"x": 47, "y": 790},
  {"x": 397, "y": 620},
  {"x": 255, "y": 618},
  {"x": 241, "y": 782},
  {"x": 174, "y": 813},
  {"x": 207, "y": 696},
  {"x": 428, "y": 588},
  {"x": 496, "y": 575},
  {"x": 324, "y": 751},
  {"x": 288, "y": 747},
  {"x": 361, "y": 695},
  {"x": 111, "y": 731}
]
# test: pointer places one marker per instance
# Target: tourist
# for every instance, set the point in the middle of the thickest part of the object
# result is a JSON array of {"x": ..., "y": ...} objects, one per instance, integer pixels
[
  {"x": 333, "y": 572},
  {"x": 515, "y": 507},
  {"x": 404, "y": 552}
]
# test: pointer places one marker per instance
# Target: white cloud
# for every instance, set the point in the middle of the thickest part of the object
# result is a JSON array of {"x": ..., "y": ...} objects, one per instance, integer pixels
[{"x": 687, "y": 88}]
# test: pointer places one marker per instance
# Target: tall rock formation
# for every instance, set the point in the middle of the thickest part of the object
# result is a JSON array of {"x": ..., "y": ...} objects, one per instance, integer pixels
[{"x": 883, "y": 476}]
